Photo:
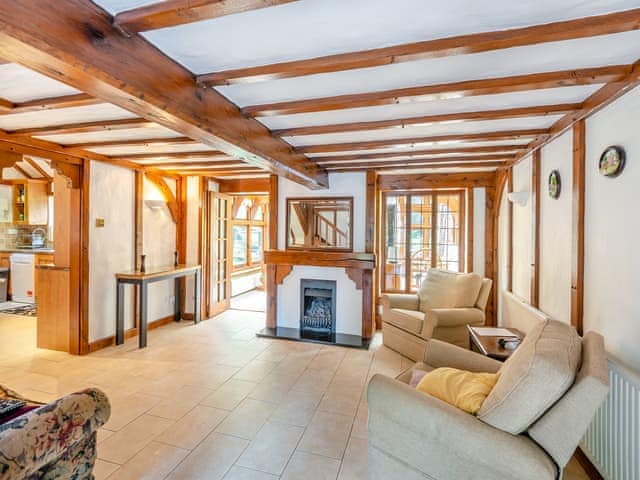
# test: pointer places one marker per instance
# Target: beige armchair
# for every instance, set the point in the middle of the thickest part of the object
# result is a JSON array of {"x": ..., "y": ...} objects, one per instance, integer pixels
[
  {"x": 409, "y": 320},
  {"x": 528, "y": 427}
]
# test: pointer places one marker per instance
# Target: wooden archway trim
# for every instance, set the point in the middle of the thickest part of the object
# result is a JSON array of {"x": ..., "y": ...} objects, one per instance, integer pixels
[
  {"x": 166, "y": 193},
  {"x": 68, "y": 170}
]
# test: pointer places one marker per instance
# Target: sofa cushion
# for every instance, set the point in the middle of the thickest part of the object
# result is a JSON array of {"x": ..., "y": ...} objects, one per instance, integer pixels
[
  {"x": 464, "y": 390},
  {"x": 538, "y": 373},
  {"x": 442, "y": 289},
  {"x": 409, "y": 320}
]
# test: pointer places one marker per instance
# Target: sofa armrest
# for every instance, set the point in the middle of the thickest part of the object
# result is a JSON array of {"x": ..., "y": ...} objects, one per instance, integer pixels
[
  {"x": 444, "y": 442},
  {"x": 34, "y": 440},
  {"x": 456, "y": 317},
  {"x": 406, "y": 301},
  {"x": 441, "y": 354}
]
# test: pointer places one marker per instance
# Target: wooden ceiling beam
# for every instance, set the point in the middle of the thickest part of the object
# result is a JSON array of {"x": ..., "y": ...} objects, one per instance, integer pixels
[
  {"x": 249, "y": 185},
  {"x": 74, "y": 41},
  {"x": 467, "y": 88},
  {"x": 420, "y": 160},
  {"x": 514, "y": 148},
  {"x": 460, "y": 45},
  {"x": 86, "y": 127},
  {"x": 219, "y": 173},
  {"x": 51, "y": 103},
  {"x": 599, "y": 99},
  {"x": 428, "y": 165},
  {"x": 210, "y": 154},
  {"x": 37, "y": 168},
  {"x": 506, "y": 113},
  {"x": 403, "y": 142},
  {"x": 178, "y": 12},
  {"x": 218, "y": 164},
  {"x": 134, "y": 143}
]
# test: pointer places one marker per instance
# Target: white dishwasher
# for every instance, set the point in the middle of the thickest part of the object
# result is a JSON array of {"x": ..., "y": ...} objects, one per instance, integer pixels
[{"x": 22, "y": 277}]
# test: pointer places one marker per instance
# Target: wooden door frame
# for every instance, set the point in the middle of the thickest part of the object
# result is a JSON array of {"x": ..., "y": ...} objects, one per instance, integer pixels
[{"x": 210, "y": 309}]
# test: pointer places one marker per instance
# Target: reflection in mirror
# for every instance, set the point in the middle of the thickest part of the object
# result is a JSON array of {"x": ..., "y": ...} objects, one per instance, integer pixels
[{"x": 320, "y": 223}]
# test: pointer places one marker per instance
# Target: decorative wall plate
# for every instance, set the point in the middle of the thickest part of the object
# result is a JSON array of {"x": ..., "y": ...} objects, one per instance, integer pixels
[
  {"x": 555, "y": 184},
  {"x": 611, "y": 161}
]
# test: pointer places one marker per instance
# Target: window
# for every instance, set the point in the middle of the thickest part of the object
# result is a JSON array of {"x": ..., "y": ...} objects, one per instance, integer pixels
[
  {"x": 421, "y": 231},
  {"x": 248, "y": 232}
]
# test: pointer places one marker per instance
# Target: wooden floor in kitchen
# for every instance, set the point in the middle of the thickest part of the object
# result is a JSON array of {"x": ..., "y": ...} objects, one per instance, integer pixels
[{"x": 215, "y": 402}]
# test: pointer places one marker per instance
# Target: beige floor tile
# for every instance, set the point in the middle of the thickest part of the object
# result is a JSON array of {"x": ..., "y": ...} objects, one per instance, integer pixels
[
  {"x": 175, "y": 408},
  {"x": 359, "y": 429},
  {"x": 246, "y": 420},
  {"x": 241, "y": 473},
  {"x": 155, "y": 461},
  {"x": 306, "y": 466},
  {"x": 229, "y": 395},
  {"x": 297, "y": 408},
  {"x": 124, "y": 444},
  {"x": 342, "y": 400},
  {"x": 102, "y": 469},
  {"x": 271, "y": 448},
  {"x": 354, "y": 463},
  {"x": 274, "y": 387},
  {"x": 313, "y": 380},
  {"x": 211, "y": 460},
  {"x": 327, "y": 435},
  {"x": 126, "y": 408},
  {"x": 327, "y": 360},
  {"x": 191, "y": 429},
  {"x": 103, "y": 434},
  {"x": 255, "y": 371}
]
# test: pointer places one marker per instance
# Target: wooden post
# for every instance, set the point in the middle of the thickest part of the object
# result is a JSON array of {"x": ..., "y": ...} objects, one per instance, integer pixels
[
  {"x": 577, "y": 236},
  {"x": 510, "y": 232},
  {"x": 535, "y": 229},
  {"x": 272, "y": 284}
]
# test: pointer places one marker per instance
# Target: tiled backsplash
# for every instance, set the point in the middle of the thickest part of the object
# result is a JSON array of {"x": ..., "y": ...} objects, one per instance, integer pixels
[{"x": 12, "y": 236}]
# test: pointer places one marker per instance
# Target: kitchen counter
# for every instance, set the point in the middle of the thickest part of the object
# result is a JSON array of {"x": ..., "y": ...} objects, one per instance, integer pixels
[{"x": 27, "y": 250}]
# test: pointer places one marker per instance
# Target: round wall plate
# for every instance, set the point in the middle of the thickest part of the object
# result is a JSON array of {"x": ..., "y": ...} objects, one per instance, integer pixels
[
  {"x": 555, "y": 185},
  {"x": 611, "y": 161}
]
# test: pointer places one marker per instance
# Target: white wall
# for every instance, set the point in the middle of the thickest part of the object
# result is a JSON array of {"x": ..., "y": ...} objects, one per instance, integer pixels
[
  {"x": 348, "y": 298},
  {"x": 111, "y": 248},
  {"x": 612, "y": 231},
  {"x": 159, "y": 245},
  {"x": 555, "y": 230},
  {"x": 340, "y": 185},
  {"x": 522, "y": 217}
]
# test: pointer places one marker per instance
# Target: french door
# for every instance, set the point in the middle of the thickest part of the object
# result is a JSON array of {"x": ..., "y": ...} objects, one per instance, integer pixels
[
  {"x": 219, "y": 241},
  {"x": 422, "y": 230}
]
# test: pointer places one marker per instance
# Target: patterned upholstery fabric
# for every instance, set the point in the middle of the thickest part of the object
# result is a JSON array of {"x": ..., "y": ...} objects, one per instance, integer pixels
[{"x": 57, "y": 440}]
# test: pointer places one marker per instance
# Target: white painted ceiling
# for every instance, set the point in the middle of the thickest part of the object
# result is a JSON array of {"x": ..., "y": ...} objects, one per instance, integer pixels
[{"x": 19, "y": 84}]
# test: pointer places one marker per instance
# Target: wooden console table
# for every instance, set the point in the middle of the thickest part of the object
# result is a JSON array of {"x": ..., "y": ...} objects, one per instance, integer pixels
[{"x": 141, "y": 281}]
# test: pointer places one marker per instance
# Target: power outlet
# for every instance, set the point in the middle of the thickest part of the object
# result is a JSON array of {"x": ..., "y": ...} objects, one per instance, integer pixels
[{"x": 172, "y": 299}]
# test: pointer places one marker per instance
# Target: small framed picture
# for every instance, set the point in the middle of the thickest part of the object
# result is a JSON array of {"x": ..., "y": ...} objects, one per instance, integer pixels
[
  {"x": 611, "y": 161},
  {"x": 555, "y": 184}
]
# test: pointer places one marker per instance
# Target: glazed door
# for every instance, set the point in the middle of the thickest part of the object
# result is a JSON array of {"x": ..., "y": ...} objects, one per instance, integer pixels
[{"x": 219, "y": 253}]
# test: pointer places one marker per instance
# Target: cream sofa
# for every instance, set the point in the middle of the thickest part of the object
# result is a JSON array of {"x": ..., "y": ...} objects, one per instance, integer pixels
[
  {"x": 446, "y": 303},
  {"x": 528, "y": 427}
]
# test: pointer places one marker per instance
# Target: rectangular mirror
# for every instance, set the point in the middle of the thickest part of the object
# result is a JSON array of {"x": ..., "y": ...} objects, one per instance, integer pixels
[{"x": 320, "y": 223}]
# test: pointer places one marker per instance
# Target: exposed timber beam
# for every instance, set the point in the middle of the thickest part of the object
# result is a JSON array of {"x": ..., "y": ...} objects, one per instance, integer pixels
[
  {"x": 467, "y": 88},
  {"x": 597, "y": 100},
  {"x": 403, "y": 142},
  {"x": 421, "y": 160},
  {"x": 417, "y": 153},
  {"x": 41, "y": 171},
  {"x": 162, "y": 186},
  {"x": 466, "y": 165},
  {"x": 178, "y": 12},
  {"x": 218, "y": 173},
  {"x": 86, "y": 127},
  {"x": 51, "y": 103},
  {"x": 174, "y": 166},
  {"x": 518, "y": 112},
  {"x": 461, "y": 45},
  {"x": 75, "y": 42},
  {"x": 134, "y": 142},
  {"x": 210, "y": 154}
]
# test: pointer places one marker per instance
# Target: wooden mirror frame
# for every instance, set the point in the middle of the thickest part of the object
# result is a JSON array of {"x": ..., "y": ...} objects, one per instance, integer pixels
[{"x": 288, "y": 201}]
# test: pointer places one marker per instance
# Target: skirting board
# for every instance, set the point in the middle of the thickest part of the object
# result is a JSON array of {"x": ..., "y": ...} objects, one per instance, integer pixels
[{"x": 132, "y": 332}]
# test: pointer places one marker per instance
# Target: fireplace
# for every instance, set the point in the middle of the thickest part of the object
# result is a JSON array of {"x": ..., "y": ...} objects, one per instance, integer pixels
[{"x": 317, "y": 308}]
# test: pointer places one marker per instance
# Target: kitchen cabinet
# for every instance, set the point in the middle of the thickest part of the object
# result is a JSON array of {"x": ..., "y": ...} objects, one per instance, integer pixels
[
  {"x": 30, "y": 203},
  {"x": 54, "y": 304},
  {"x": 6, "y": 196}
]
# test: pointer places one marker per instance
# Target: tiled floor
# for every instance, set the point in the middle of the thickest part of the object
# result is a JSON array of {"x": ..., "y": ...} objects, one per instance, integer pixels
[
  {"x": 215, "y": 402},
  {"x": 254, "y": 300}
]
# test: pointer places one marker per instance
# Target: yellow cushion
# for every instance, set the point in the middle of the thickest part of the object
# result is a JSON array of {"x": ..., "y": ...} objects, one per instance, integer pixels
[{"x": 464, "y": 390}]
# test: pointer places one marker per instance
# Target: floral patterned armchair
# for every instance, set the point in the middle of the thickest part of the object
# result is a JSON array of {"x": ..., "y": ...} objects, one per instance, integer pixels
[{"x": 56, "y": 441}]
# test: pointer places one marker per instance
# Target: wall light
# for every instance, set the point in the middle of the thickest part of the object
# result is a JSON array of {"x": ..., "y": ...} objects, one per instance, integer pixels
[
  {"x": 519, "y": 198},
  {"x": 155, "y": 204}
]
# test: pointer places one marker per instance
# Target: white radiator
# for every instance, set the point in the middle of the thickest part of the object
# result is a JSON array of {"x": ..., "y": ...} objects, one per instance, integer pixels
[{"x": 612, "y": 442}]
